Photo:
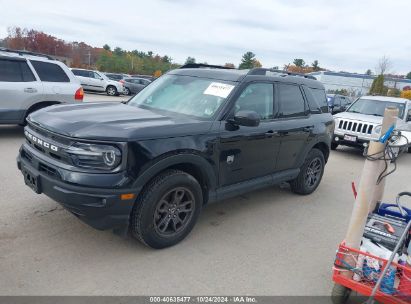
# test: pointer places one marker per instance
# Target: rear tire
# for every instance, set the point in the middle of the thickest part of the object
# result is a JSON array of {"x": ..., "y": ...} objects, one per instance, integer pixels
[
  {"x": 167, "y": 209},
  {"x": 311, "y": 173},
  {"x": 334, "y": 146},
  {"x": 127, "y": 91},
  {"x": 111, "y": 91},
  {"x": 409, "y": 150},
  {"x": 340, "y": 294}
]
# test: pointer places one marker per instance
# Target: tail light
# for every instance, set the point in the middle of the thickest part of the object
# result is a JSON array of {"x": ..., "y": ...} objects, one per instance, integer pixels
[
  {"x": 122, "y": 81},
  {"x": 79, "y": 94}
]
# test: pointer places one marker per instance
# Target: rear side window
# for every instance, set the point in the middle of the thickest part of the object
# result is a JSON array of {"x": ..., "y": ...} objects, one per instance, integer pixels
[
  {"x": 49, "y": 72},
  {"x": 15, "y": 71},
  {"x": 320, "y": 98},
  {"x": 291, "y": 101}
]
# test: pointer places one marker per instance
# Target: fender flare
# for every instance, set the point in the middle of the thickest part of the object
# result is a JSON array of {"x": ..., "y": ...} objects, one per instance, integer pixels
[{"x": 206, "y": 169}]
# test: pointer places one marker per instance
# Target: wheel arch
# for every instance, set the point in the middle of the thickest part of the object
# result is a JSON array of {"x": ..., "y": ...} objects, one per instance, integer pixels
[
  {"x": 37, "y": 106},
  {"x": 192, "y": 164}
]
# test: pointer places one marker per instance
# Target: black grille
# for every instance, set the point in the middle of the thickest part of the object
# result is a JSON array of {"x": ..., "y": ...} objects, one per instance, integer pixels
[{"x": 48, "y": 170}]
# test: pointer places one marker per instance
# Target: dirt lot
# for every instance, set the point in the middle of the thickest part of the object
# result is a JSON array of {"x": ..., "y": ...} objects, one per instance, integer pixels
[{"x": 269, "y": 242}]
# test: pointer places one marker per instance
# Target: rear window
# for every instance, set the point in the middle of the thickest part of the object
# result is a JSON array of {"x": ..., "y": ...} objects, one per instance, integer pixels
[
  {"x": 49, "y": 72},
  {"x": 15, "y": 71},
  {"x": 320, "y": 98}
]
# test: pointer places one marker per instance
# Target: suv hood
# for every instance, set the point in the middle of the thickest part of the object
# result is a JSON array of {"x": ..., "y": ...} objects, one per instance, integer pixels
[
  {"x": 362, "y": 117},
  {"x": 115, "y": 122}
]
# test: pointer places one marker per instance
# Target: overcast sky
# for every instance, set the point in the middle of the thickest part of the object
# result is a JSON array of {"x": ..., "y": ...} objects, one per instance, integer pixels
[{"x": 349, "y": 35}]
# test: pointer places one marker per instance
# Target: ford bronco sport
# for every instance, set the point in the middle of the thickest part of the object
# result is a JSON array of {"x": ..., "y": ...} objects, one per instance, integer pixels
[{"x": 192, "y": 137}]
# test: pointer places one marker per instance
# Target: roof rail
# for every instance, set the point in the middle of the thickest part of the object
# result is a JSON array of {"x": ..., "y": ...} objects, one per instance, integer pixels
[
  {"x": 280, "y": 73},
  {"x": 22, "y": 52},
  {"x": 203, "y": 65}
]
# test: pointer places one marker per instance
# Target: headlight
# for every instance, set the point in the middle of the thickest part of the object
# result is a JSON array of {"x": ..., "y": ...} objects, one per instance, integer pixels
[
  {"x": 377, "y": 130},
  {"x": 103, "y": 157}
]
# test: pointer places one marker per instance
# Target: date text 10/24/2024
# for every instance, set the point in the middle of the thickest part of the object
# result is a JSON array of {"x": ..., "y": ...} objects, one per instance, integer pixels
[{"x": 203, "y": 299}]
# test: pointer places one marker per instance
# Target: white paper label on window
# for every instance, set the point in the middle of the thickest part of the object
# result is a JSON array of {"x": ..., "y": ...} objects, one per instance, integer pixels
[{"x": 219, "y": 89}]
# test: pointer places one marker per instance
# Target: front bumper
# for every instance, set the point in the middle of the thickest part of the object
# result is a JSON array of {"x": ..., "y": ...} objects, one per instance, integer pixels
[
  {"x": 101, "y": 208},
  {"x": 361, "y": 139}
]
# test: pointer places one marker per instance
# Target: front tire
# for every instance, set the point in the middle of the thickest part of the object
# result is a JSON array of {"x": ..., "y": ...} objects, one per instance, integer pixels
[
  {"x": 311, "y": 173},
  {"x": 167, "y": 209},
  {"x": 111, "y": 91}
]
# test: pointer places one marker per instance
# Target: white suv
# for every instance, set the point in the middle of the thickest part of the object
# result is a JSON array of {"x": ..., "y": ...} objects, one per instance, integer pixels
[
  {"x": 31, "y": 81},
  {"x": 96, "y": 81},
  {"x": 361, "y": 122}
]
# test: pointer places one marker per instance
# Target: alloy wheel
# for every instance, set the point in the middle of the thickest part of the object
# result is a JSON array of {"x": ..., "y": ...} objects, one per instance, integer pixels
[
  {"x": 174, "y": 211},
  {"x": 313, "y": 172}
]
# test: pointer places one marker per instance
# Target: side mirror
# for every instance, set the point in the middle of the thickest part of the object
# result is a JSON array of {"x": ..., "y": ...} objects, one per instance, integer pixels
[{"x": 247, "y": 118}]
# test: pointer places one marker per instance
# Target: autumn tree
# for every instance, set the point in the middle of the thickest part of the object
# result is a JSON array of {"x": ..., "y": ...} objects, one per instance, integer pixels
[
  {"x": 249, "y": 61},
  {"x": 316, "y": 66},
  {"x": 106, "y": 47},
  {"x": 384, "y": 65},
  {"x": 229, "y": 65}
]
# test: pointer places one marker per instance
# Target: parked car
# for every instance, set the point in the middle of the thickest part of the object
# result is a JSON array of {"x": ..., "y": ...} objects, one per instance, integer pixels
[
  {"x": 31, "y": 81},
  {"x": 363, "y": 119},
  {"x": 134, "y": 85},
  {"x": 117, "y": 77},
  {"x": 95, "y": 81},
  {"x": 151, "y": 78},
  {"x": 192, "y": 137},
  {"x": 338, "y": 103}
]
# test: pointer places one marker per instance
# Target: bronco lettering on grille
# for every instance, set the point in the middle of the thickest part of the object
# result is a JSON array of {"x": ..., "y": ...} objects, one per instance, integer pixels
[{"x": 40, "y": 142}]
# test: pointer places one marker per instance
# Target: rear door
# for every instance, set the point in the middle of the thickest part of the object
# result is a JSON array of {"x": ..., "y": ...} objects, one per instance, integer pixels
[
  {"x": 19, "y": 89},
  {"x": 56, "y": 83},
  {"x": 84, "y": 77},
  {"x": 97, "y": 82},
  {"x": 295, "y": 125}
]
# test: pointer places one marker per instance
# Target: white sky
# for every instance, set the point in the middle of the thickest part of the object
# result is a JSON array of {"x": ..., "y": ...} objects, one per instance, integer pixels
[{"x": 348, "y": 35}]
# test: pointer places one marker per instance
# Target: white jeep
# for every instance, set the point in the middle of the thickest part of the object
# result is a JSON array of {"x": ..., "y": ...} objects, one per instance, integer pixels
[{"x": 361, "y": 122}]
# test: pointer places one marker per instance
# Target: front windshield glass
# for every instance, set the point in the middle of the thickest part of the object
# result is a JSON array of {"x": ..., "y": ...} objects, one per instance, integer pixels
[
  {"x": 375, "y": 107},
  {"x": 194, "y": 96}
]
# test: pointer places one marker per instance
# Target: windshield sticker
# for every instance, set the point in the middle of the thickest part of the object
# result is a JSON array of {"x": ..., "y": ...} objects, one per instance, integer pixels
[{"x": 219, "y": 89}]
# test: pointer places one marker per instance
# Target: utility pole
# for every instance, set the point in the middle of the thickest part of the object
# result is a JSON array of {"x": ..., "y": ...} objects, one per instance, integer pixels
[{"x": 89, "y": 58}]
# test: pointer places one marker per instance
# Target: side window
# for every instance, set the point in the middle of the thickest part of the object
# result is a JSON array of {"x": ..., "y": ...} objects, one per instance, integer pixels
[
  {"x": 321, "y": 98},
  {"x": 49, "y": 72},
  {"x": 312, "y": 103},
  {"x": 76, "y": 72},
  {"x": 15, "y": 71},
  {"x": 291, "y": 101},
  {"x": 257, "y": 97},
  {"x": 95, "y": 75}
]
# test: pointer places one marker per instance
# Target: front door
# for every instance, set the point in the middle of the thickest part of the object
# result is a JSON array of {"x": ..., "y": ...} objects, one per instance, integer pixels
[{"x": 250, "y": 152}]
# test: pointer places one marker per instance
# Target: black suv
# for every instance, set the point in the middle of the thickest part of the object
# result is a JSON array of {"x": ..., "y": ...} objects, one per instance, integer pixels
[{"x": 192, "y": 137}]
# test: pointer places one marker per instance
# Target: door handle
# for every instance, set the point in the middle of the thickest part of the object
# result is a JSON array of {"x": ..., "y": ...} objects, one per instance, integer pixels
[
  {"x": 30, "y": 90},
  {"x": 308, "y": 128}
]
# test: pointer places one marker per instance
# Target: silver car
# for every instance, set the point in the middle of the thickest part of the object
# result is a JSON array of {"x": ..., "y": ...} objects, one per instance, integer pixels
[
  {"x": 31, "y": 81},
  {"x": 363, "y": 119},
  {"x": 96, "y": 81}
]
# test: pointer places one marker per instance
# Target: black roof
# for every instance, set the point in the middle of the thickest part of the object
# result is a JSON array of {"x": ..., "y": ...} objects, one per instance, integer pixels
[{"x": 257, "y": 74}]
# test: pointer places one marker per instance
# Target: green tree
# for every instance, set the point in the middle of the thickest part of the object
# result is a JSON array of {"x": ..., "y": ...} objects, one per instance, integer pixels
[
  {"x": 368, "y": 72},
  {"x": 106, "y": 47},
  {"x": 315, "y": 65},
  {"x": 408, "y": 75},
  {"x": 249, "y": 61},
  {"x": 299, "y": 62},
  {"x": 377, "y": 86},
  {"x": 190, "y": 60}
]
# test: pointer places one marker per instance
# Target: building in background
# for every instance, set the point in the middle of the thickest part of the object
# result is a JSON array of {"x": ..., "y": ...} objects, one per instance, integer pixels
[{"x": 356, "y": 84}]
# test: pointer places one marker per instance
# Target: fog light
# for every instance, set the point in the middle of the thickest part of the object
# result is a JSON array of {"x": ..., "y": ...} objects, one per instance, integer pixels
[{"x": 336, "y": 138}]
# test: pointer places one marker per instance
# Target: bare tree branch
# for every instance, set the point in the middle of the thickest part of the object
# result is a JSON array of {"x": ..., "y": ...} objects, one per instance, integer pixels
[{"x": 384, "y": 65}]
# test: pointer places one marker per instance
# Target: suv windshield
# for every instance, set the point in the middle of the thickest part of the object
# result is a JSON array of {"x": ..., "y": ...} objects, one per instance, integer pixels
[
  {"x": 195, "y": 96},
  {"x": 375, "y": 107}
]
